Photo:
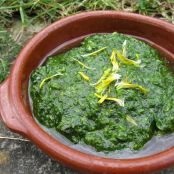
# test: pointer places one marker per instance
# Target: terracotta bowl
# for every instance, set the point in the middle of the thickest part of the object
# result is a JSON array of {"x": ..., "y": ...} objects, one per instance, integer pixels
[{"x": 64, "y": 34}]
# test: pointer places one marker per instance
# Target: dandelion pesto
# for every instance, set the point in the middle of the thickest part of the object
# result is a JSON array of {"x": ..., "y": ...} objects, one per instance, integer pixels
[{"x": 112, "y": 92}]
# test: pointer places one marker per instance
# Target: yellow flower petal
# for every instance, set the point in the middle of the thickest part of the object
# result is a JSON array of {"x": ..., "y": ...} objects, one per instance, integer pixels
[
  {"x": 103, "y": 98},
  {"x": 82, "y": 64},
  {"x": 118, "y": 101},
  {"x": 48, "y": 78},
  {"x": 95, "y": 52},
  {"x": 124, "y": 48},
  {"x": 105, "y": 74},
  {"x": 114, "y": 61},
  {"x": 84, "y": 76},
  {"x": 101, "y": 87},
  {"x": 126, "y": 85},
  {"x": 127, "y": 61},
  {"x": 131, "y": 120}
]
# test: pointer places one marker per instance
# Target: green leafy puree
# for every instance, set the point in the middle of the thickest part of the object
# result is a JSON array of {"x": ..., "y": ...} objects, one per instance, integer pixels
[{"x": 112, "y": 92}]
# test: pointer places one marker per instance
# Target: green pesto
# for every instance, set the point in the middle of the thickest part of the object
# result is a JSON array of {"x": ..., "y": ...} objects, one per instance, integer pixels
[{"x": 66, "y": 99}]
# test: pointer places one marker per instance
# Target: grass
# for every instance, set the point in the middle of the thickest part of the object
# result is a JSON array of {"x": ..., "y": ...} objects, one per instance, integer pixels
[
  {"x": 8, "y": 51},
  {"x": 30, "y": 12}
]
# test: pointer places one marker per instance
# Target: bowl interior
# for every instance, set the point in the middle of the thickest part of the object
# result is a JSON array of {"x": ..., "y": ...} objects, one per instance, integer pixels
[{"x": 68, "y": 33}]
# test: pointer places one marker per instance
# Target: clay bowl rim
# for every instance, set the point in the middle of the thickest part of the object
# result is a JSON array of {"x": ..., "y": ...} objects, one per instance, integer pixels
[{"x": 55, "y": 148}]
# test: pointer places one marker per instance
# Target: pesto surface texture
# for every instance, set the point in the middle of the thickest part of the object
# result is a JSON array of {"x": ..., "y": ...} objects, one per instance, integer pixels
[{"x": 112, "y": 92}]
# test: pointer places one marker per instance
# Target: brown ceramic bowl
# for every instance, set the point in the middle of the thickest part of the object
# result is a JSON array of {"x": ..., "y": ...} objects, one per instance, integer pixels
[{"x": 67, "y": 33}]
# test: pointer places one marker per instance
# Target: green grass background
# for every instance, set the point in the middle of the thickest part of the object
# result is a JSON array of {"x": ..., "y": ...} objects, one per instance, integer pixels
[{"x": 20, "y": 19}]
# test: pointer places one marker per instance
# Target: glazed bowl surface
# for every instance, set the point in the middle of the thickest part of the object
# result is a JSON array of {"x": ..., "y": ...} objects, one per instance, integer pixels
[{"x": 62, "y": 36}]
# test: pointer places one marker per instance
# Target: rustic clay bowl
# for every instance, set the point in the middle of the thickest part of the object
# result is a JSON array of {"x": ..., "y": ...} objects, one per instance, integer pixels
[{"x": 67, "y": 33}]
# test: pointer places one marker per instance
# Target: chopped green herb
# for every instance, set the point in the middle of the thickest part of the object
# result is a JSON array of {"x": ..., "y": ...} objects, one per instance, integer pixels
[{"x": 105, "y": 115}]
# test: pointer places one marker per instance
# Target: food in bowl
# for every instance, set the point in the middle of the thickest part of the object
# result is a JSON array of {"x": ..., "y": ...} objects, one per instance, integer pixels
[{"x": 112, "y": 92}]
